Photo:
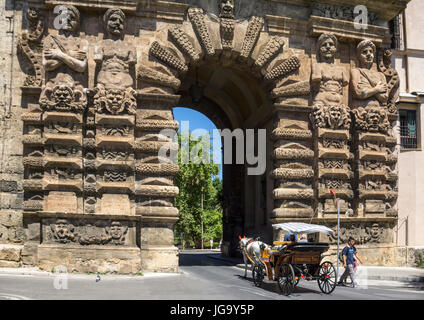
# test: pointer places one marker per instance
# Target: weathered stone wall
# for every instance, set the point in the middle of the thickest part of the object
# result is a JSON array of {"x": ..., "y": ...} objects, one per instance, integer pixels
[{"x": 12, "y": 234}]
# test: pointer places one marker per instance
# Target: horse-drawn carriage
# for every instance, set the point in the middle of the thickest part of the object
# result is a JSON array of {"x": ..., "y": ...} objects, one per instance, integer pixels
[{"x": 289, "y": 262}]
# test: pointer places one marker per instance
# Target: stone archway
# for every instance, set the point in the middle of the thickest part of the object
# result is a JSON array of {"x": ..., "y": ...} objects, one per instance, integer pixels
[{"x": 238, "y": 66}]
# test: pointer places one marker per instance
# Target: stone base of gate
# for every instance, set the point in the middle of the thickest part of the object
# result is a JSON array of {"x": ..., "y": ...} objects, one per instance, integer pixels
[
  {"x": 159, "y": 259},
  {"x": 383, "y": 255},
  {"x": 94, "y": 259}
]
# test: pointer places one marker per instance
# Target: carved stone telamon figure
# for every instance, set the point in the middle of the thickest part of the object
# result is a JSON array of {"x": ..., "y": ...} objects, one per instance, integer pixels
[
  {"x": 115, "y": 59},
  {"x": 65, "y": 61},
  {"x": 329, "y": 110},
  {"x": 65, "y": 51},
  {"x": 369, "y": 87}
]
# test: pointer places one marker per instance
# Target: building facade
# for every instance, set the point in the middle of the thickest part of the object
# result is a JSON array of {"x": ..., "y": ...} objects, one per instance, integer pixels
[
  {"x": 408, "y": 49},
  {"x": 89, "y": 86}
]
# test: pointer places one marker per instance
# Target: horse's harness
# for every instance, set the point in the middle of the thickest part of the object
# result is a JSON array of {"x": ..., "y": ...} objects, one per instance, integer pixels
[{"x": 245, "y": 251}]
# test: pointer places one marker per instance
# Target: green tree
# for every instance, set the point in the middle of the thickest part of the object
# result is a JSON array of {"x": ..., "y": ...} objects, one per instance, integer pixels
[{"x": 197, "y": 182}]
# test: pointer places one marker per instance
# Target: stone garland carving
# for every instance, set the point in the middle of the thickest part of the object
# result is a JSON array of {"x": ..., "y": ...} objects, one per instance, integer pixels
[
  {"x": 301, "y": 88},
  {"x": 271, "y": 49},
  {"x": 227, "y": 27},
  {"x": 284, "y": 69},
  {"x": 339, "y": 12},
  {"x": 252, "y": 34},
  {"x": 182, "y": 40},
  {"x": 199, "y": 23},
  {"x": 30, "y": 44},
  {"x": 167, "y": 57},
  {"x": 152, "y": 76},
  {"x": 65, "y": 232},
  {"x": 392, "y": 77}
]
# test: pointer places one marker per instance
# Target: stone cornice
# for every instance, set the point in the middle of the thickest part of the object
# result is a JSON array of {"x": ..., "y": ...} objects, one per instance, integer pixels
[{"x": 386, "y": 9}]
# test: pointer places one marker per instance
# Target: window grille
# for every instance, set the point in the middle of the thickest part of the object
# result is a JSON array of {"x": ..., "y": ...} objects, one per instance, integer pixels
[{"x": 408, "y": 129}]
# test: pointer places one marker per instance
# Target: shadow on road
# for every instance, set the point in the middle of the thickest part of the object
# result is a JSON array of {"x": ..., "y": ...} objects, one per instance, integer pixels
[
  {"x": 188, "y": 259},
  {"x": 272, "y": 286}
]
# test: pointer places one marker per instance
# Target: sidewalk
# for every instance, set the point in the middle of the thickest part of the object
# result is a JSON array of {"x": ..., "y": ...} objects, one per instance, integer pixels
[{"x": 34, "y": 271}]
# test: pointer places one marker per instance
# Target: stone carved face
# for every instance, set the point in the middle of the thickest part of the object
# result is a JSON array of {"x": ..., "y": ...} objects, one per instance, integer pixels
[
  {"x": 62, "y": 230},
  {"x": 366, "y": 56},
  {"x": 70, "y": 19},
  {"x": 328, "y": 49},
  {"x": 116, "y": 230},
  {"x": 375, "y": 231},
  {"x": 335, "y": 113},
  {"x": 63, "y": 96},
  {"x": 115, "y": 100},
  {"x": 374, "y": 118},
  {"x": 227, "y": 8},
  {"x": 115, "y": 23}
]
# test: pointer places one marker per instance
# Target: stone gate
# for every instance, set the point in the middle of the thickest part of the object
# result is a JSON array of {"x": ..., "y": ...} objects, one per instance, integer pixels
[{"x": 92, "y": 86}]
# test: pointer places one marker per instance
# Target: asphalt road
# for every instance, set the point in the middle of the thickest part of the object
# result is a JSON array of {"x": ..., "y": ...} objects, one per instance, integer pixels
[{"x": 203, "y": 277}]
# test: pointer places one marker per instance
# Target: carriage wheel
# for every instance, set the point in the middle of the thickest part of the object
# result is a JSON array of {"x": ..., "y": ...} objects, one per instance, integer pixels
[
  {"x": 286, "y": 280},
  {"x": 258, "y": 274},
  {"x": 327, "y": 277}
]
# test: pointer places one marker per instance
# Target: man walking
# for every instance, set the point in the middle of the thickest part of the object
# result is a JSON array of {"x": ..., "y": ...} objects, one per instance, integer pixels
[{"x": 350, "y": 256}]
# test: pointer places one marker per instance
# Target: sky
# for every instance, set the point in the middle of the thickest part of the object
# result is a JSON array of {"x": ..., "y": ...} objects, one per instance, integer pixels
[{"x": 196, "y": 120}]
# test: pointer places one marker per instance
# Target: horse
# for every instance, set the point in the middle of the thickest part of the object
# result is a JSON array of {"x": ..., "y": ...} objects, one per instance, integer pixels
[{"x": 251, "y": 249}]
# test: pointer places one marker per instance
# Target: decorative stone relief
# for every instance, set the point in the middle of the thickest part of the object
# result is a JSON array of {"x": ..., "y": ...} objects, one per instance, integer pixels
[
  {"x": 116, "y": 59},
  {"x": 198, "y": 20},
  {"x": 252, "y": 34},
  {"x": 392, "y": 78},
  {"x": 363, "y": 233},
  {"x": 338, "y": 12},
  {"x": 167, "y": 57},
  {"x": 85, "y": 233},
  {"x": 271, "y": 49},
  {"x": 63, "y": 94},
  {"x": 182, "y": 40},
  {"x": 115, "y": 101},
  {"x": 331, "y": 119},
  {"x": 284, "y": 69},
  {"x": 30, "y": 44}
]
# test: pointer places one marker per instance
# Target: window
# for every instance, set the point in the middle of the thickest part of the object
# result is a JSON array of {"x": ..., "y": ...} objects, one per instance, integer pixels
[
  {"x": 395, "y": 31},
  {"x": 408, "y": 129}
]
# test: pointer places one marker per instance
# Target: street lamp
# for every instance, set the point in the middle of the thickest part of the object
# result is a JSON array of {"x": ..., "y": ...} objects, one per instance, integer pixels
[{"x": 333, "y": 193}]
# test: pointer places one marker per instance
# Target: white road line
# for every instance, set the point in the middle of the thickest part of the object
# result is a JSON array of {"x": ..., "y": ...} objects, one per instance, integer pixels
[{"x": 8, "y": 296}]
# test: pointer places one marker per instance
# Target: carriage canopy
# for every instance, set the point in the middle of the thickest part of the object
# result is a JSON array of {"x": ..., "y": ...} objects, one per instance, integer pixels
[{"x": 300, "y": 227}]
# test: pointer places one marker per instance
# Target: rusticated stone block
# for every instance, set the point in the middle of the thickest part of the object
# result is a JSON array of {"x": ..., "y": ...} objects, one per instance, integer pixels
[
  {"x": 62, "y": 202},
  {"x": 10, "y": 252}
]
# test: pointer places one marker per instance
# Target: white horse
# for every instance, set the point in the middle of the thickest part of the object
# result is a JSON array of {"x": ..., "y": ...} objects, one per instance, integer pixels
[{"x": 251, "y": 249}]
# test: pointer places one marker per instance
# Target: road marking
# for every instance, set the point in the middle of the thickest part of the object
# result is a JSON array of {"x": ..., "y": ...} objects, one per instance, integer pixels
[{"x": 8, "y": 296}]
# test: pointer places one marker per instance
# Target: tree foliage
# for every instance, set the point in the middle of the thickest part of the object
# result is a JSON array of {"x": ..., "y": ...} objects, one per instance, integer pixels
[{"x": 193, "y": 181}]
